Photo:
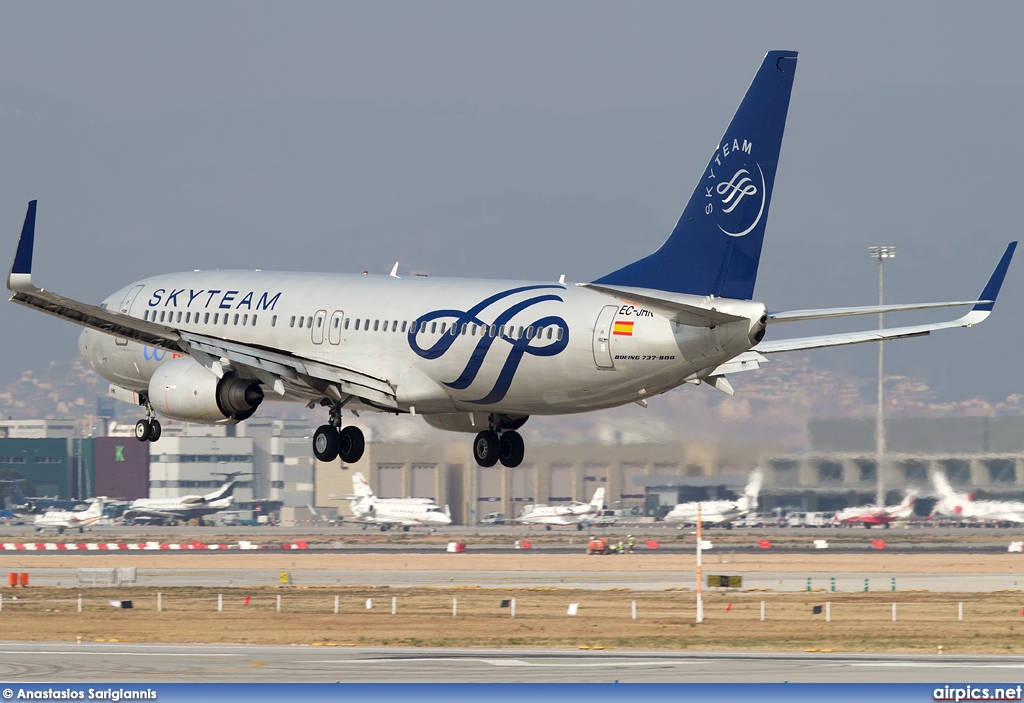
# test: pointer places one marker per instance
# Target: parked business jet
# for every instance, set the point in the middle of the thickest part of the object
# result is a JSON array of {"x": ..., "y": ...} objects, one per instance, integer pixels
[
  {"x": 719, "y": 512},
  {"x": 61, "y": 520},
  {"x": 392, "y": 512},
  {"x": 470, "y": 355},
  {"x": 962, "y": 507},
  {"x": 184, "y": 508},
  {"x": 869, "y": 515},
  {"x": 575, "y": 513}
]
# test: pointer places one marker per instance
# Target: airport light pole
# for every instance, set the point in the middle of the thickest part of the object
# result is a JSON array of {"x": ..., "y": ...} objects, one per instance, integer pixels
[{"x": 880, "y": 254}]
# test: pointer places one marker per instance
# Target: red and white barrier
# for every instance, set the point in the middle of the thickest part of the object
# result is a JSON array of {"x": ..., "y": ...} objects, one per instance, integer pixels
[{"x": 148, "y": 546}]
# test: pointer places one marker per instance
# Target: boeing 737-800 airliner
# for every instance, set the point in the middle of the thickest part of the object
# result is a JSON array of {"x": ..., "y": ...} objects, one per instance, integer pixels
[{"x": 468, "y": 355}]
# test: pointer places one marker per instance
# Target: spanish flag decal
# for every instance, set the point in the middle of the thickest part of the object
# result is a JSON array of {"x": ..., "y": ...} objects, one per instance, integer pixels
[{"x": 623, "y": 328}]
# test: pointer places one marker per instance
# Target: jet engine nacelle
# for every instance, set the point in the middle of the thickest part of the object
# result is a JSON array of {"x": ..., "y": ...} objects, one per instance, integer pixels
[{"x": 183, "y": 390}]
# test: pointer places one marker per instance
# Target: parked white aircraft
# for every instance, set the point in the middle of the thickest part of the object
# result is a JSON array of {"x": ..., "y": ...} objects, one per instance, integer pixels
[
  {"x": 470, "y": 355},
  {"x": 963, "y": 507},
  {"x": 717, "y": 512},
  {"x": 61, "y": 520},
  {"x": 869, "y": 515},
  {"x": 391, "y": 512},
  {"x": 184, "y": 508},
  {"x": 575, "y": 513}
]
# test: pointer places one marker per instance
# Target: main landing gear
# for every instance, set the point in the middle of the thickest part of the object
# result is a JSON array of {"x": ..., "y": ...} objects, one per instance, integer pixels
[
  {"x": 148, "y": 429},
  {"x": 500, "y": 444},
  {"x": 331, "y": 441}
]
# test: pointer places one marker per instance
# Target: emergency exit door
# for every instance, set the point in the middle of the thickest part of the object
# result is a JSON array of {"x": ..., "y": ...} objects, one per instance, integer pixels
[
  {"x": 126, "y": 308},
  {"x": 602, "y": 337}
]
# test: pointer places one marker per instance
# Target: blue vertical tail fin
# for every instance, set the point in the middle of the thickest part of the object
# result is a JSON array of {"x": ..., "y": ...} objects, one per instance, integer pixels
[{"x": 716, "y": 245}]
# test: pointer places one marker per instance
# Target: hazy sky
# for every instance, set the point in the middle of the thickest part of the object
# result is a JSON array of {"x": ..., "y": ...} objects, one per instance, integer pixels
[{"x": 514, "y": 140}]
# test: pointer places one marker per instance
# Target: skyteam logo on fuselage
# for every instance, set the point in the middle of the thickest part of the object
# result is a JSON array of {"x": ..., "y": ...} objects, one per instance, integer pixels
[
  {"x": 495, "y": 334},
  {"x": 213, "y": 299},
  {"x": 737, "y": 194}
]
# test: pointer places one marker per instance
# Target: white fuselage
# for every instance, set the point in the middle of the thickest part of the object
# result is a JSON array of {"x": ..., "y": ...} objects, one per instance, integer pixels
[
  {"x": 520, "y": 348},
  {"x": 178, "y": 508},
  {"x": 962, "y": 507},
  {"x": 559, "y": 514},
  {"x": 712, "y": 512},
  {"x": 411, "y": 512},
  {"x": 874, "y": 515},
  {"x": 61, "y": 519}
]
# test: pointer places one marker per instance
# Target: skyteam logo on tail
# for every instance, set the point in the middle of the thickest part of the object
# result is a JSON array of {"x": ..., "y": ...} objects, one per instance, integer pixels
[
  {"x": 546, "y": 336},
  {"x": 737, "y": 199}
]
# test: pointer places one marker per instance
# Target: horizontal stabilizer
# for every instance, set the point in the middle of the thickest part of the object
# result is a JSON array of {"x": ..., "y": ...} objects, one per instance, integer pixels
[
  {"x": 826, "y": 313},
  {"x": 674, "y": 306},
  {"x": 981, "y": 310}
]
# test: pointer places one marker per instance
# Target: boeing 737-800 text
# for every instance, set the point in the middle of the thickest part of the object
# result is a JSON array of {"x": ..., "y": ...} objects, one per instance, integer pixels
[{"x": 468, "y": 355}]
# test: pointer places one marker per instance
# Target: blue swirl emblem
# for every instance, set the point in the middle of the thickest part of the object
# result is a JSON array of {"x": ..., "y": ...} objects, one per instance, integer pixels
[
  {"x": 519, "y": 346},
  {"x": 153, "y": 354}
]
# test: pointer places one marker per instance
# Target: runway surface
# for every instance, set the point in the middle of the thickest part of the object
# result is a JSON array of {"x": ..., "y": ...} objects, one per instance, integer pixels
[
  {"x": 128, "y": 662},
  {"x": 634, "y": 580}
]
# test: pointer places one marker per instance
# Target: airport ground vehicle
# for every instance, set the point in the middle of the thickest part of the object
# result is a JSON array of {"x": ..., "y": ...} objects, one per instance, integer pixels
[{"x": 493, "y": 519}]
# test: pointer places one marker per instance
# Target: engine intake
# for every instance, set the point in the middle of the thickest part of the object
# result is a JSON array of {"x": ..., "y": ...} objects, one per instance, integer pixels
[{"x": 183, "y": 390}]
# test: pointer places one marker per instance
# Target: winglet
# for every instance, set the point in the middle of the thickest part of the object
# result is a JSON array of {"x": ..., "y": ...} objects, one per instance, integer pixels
[
  {"x": 20, "y": 277},
  {"x": 988, "y": 296}
]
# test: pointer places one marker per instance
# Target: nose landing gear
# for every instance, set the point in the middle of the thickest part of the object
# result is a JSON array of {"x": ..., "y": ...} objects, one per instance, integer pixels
[
  {"x": 331, "y": 440},
  {"x": 496, "y": 444}
]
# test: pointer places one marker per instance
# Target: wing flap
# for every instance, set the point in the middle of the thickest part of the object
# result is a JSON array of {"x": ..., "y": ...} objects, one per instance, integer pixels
[{"x": 294, "y": 368}]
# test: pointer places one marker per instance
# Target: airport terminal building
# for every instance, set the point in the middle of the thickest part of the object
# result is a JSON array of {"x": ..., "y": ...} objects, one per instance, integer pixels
[{"x": 984, "y": 455}]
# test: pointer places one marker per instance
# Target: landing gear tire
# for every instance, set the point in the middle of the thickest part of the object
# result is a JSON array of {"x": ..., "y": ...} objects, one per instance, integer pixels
[
  {"x": 547, "y": 527},
  {"x": 326, "y": 443},
  {"x": 351, "y": 444},
  {"x": 512, "y": 449},
  {"x": 142, "y": 430},
  {"x": 487, "y": 448},
  {"x": 155, "y": 430}
]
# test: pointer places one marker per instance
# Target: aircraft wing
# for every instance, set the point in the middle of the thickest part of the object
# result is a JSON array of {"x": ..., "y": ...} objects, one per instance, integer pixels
[
  {"x": 276, "y": 369},
  {"x": 981, "y": 310}
]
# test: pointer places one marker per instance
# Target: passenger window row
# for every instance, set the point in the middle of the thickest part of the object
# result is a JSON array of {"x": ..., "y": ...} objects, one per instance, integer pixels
[
  {"x": 176, "y": 317},
  {"x": 466, "y": 329},
  {"x": 454, "y": 329}
]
